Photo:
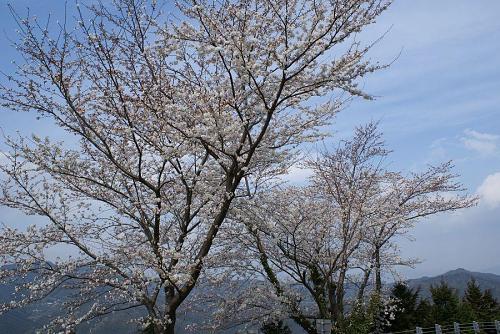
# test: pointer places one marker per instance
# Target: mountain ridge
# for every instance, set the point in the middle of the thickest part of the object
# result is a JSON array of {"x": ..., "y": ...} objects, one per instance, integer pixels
[
  {"x": 26, "y": 320},
  {"x": 458, "y": 279}
]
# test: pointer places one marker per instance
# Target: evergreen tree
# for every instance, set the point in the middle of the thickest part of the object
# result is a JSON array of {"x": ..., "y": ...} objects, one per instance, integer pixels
[
  {"x": 491, "y": 308},
  {"x": 376, "y": 313},
  {"x": 276, "y": 327},
  {"x": 446, "y": 304},
  {"x": 367, "y": 318},
  {"x": 482, "y": 305},
  {"x": 405, "y": 301},
  {"x": 423, "y": 314},
  {"x": 466, "y": 313},
  {"x": 359, "y": 321},
  {"x": 473, "y": 297}
]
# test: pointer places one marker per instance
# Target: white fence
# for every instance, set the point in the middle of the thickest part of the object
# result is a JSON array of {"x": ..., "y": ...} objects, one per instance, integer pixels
[
  {"x": 325, "y": 327},
  {"x": 456, "y": 328}
]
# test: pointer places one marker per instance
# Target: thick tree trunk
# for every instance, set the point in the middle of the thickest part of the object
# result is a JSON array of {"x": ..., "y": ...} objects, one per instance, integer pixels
[
  {"x": 378, "y": 275},
  {"x": 170, "y": 328},
  {"x": 338, "y": 309},
  {"x": 166, "y": 328},
  {"x": 364, "y": 284},
  {"x": 378, "y": 287},
  {"x": 305, "y": 324}
]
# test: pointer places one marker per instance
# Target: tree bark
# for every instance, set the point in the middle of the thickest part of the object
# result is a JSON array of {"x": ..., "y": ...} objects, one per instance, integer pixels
[
  {"x": 378, "y": 275},
  {"x": 170, "y": 328},
  {"x": 364, "y": 284},
  {"x": 298, "y": 317}
]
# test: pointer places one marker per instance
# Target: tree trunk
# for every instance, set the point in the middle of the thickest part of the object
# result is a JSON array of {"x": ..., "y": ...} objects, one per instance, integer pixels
[
  {"x": 364, "y": 284},
  {"x": 378, "y": 289},
  {"x": 338, "y": 308},
  {"x": 305, "y": 324},
  {"x": 170, "y": 328},
  {"x": 378, "y": 275},
  {"x": 298, "y": 317}
]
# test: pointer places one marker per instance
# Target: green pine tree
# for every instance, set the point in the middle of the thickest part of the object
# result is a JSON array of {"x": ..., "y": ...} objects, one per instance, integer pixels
[
  {"x": 423, "y": 314},
  {"x": 491, "y": 309},
  {"x": 481, "y": 305},
  {"x": 466, "y": 313},
  {"x": 473, "y": 297},
  {"x": 275, "y": 327},
  {"x": 365, "y": 318},
  {"x": 405, "y": 301},
  {"x": 446, "y": 304},
  {"x": 471, "y": 302}
]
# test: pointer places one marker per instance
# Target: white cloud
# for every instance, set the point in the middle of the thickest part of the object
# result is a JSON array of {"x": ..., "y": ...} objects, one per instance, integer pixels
[
  {"x": 483, "y": 143},
  {"x": 489, "y": 190},
  {"x": 297, "y": 175},
  {"x": 481, "y": 136}
]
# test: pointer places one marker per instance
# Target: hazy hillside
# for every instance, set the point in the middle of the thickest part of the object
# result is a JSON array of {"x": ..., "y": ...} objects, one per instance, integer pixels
[
  {"x": 28, "y": 319},
  {"x": 458, "y": 279}
]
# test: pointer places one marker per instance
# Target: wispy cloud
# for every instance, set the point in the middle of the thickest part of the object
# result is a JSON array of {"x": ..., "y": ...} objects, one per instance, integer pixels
[{"x": 483, "y": 143}]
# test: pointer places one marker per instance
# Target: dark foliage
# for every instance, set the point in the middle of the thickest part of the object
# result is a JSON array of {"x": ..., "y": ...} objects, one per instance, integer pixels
[
  {"x": 444, "y": 306},
  {"x": 277, "y": 327}
]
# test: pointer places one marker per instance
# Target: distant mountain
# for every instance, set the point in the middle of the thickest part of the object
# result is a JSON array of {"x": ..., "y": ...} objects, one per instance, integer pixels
[
  {"x": 458, "y": 279},
  {"x": 492, "y": 269},
  {"x": 28, "y": 319}
]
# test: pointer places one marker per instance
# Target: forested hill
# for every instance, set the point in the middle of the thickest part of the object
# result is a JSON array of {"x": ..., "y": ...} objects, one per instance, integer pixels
[
  {"x": 30, "y": 318},
  {"x": 458, "y": 279}
]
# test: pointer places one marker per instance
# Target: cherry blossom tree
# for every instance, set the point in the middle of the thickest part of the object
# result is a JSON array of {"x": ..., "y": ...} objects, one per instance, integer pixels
[
  {"x": 170, "y": 117},
  {"x": 309, "y": 242}
]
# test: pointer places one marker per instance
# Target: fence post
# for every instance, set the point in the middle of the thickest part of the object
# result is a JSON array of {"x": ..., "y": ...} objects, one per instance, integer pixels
[
  {"x": 324, "y": 326},
  {"x": 419, "y": 330},
  {"x": 456, "y": 328},
  {"x": 475, "y": 325},
  {"x": 497, "y": 326},
  {"x": 438, "y": 329}
]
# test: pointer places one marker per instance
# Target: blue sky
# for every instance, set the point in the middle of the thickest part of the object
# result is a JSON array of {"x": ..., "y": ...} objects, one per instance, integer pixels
[{"x": 439, "y": 101}]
